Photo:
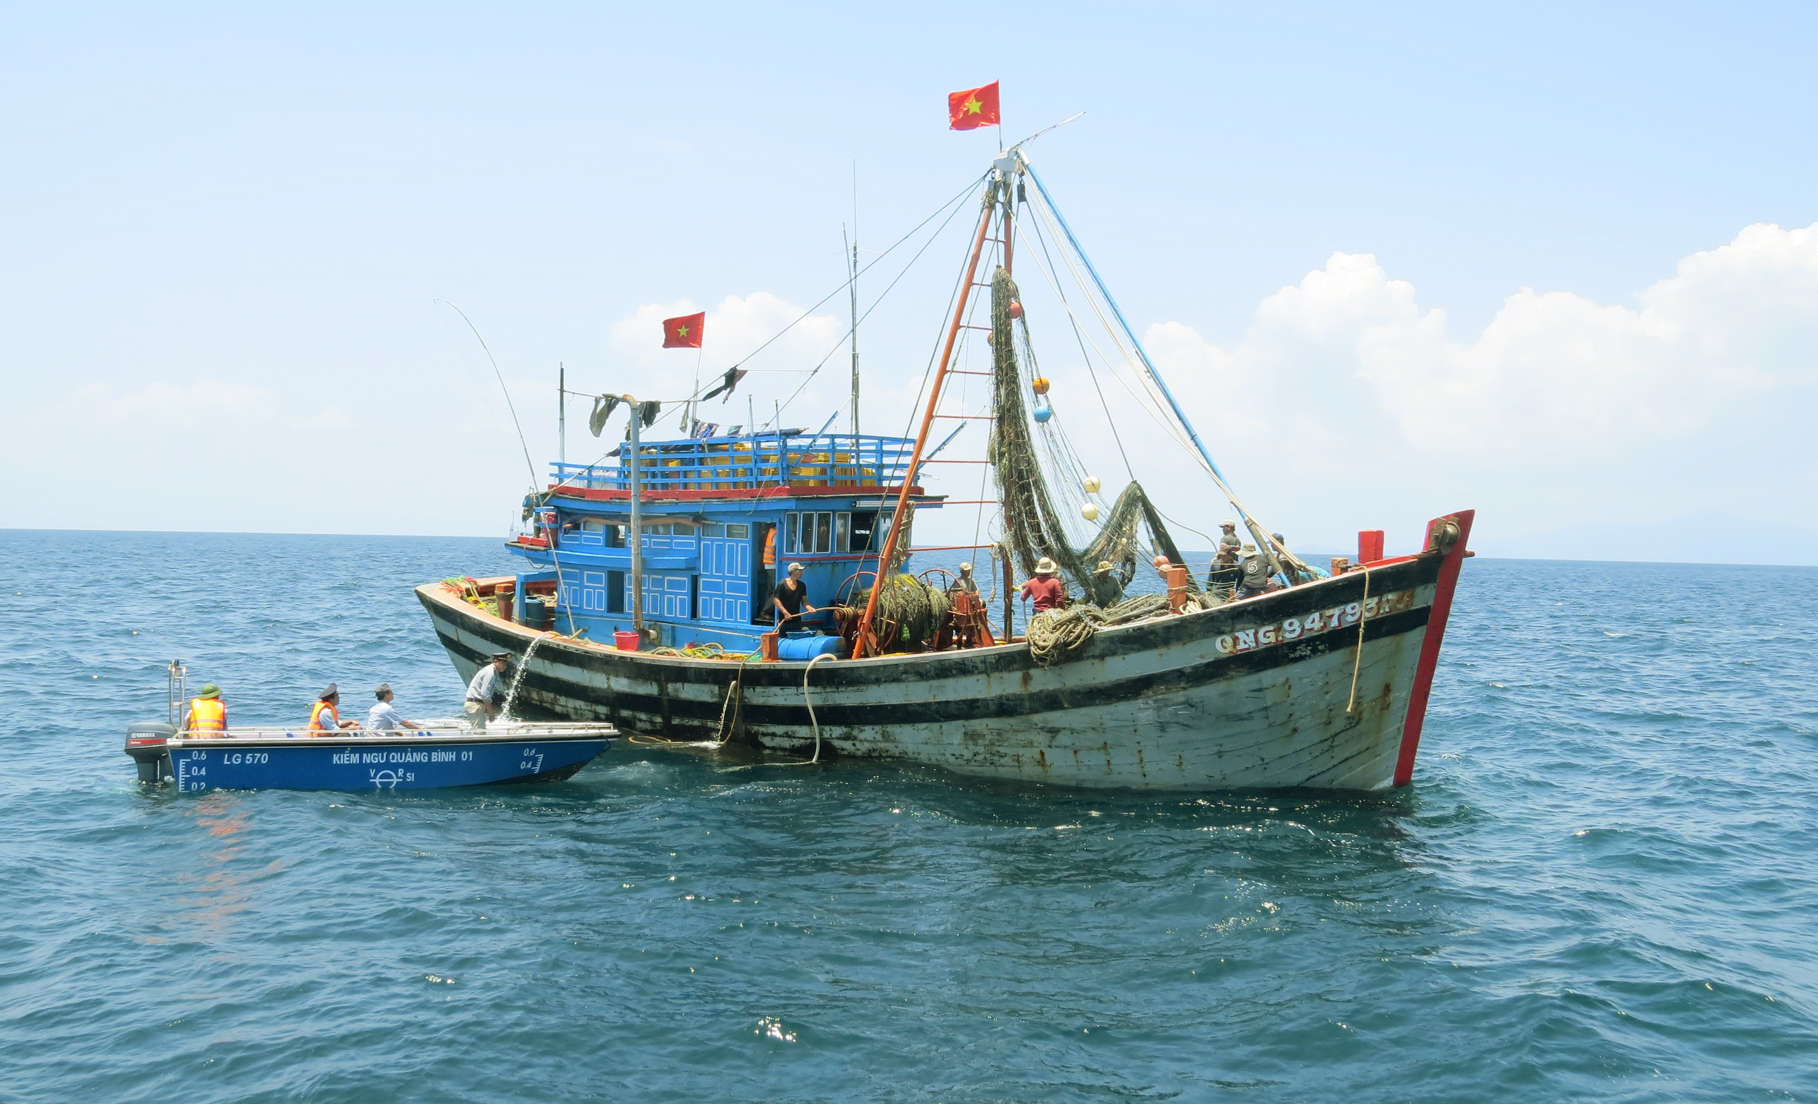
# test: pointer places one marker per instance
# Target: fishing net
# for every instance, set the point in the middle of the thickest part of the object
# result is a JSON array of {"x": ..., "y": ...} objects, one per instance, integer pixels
[
  {"x": 1033, "y": 528},
  {"x": 911, "y": 611}
]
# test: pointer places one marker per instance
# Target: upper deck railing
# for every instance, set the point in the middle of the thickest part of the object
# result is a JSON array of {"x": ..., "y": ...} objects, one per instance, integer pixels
[{"x": 748, "y": 463}]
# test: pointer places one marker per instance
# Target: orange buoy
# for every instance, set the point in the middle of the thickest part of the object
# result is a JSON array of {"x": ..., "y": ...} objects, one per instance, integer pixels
[
  {"x": 1040, "y": 383},
  {"x": 1016, "y": 309}
]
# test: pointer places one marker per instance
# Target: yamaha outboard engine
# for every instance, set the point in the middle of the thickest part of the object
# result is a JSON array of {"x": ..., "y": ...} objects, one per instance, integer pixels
[{"x": 145, "y": 742}]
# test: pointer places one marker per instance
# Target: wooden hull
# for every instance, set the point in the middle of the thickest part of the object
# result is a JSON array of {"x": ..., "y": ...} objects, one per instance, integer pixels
[{"x": 1254, "y": 694}]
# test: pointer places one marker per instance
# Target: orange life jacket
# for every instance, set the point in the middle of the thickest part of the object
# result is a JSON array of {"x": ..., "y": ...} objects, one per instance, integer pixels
[
  {"x": 315, "y": 718},
  {"x": 770, "y": 548},
  {"x": 207, "y": 715}
]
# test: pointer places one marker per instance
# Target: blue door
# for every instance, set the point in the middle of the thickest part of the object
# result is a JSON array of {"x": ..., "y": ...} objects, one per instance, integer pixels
[{"x": 726, "y": 579}]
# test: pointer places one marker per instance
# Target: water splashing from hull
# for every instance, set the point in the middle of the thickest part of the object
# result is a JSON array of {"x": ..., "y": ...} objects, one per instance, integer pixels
[{"x": 511, "y": 695}]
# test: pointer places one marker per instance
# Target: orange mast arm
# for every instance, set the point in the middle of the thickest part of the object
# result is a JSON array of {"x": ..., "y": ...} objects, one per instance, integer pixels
[{"x": 863, "y": 643}]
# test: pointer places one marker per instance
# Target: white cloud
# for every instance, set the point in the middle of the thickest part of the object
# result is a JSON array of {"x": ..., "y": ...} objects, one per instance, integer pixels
[{"x": 1560, "y": 412}]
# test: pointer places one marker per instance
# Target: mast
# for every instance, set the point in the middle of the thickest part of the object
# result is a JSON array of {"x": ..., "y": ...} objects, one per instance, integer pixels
[
  {"x": 864, "y": 642},
  {"x": 561, "y": 413},
  {"x": 637, "y": 528}
]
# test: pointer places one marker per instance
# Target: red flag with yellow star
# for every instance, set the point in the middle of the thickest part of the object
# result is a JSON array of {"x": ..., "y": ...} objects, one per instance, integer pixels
[
  {"x": 684, "y": 332},
  {"x": 973, "y": 108}
]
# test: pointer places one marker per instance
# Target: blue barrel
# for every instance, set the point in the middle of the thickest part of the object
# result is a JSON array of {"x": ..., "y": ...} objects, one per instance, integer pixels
[{"x": 797, "y": 647}]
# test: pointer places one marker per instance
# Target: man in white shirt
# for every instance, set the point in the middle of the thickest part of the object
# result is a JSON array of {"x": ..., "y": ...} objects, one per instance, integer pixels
[
  {"x": 481, "y": 692},
  {"x": 384, "y": 717}
]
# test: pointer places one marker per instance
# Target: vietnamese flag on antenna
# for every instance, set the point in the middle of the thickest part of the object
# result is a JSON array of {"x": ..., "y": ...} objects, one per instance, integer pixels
[
  {"x": 973, "y": 108},
  {"x": 684, "y": 332}
]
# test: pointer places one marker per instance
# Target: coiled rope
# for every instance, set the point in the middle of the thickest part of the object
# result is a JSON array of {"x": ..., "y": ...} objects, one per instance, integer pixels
[{"x": 1054, "y": 635}]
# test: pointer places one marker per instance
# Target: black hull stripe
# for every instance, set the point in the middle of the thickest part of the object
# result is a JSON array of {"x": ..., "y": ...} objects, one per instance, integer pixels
[{"x": 692, "y": 716}]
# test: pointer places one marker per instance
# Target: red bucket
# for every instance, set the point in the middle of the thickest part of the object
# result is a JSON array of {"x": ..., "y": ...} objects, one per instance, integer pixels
[{"x": 625, "y": 641}]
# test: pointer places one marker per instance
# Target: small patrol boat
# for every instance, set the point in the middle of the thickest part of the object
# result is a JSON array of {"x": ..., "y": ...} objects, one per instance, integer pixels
[{"x": 444, "y": 754}]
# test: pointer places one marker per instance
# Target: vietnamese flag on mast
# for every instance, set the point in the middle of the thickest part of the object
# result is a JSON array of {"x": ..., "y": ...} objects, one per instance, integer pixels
[
  {"x": 973, "y": 108},
  {"x": 684, "y": 332}
]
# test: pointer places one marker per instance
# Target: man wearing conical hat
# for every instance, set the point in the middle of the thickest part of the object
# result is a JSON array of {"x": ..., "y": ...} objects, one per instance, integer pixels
[
  {"x": 207, "y": 714},
  {"x": 1048, "y": 591}
]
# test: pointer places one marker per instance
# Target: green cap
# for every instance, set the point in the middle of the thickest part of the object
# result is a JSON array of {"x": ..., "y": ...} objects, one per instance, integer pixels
[{"x": 209, "y": 691}]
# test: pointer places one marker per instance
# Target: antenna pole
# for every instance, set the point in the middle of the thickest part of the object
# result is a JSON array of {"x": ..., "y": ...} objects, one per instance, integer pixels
[
  {"x": 561, "y": 413},
  {"x": 864, "y": 643},
  {"x": 854, "y": 291}
]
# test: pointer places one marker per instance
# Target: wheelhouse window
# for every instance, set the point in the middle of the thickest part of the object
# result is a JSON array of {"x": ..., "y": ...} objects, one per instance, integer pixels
[{"x": 815, "y": 532}]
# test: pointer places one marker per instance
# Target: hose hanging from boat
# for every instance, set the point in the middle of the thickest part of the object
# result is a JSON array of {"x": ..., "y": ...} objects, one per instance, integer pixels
[{"x": 812, "y": 723}]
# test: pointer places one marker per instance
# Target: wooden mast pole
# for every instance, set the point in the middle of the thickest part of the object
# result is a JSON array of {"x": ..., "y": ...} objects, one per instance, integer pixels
[{"x": 864, "y": 644}]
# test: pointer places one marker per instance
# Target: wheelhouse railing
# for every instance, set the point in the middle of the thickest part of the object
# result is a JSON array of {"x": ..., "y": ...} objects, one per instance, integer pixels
[{"x": 748, "y": 463}]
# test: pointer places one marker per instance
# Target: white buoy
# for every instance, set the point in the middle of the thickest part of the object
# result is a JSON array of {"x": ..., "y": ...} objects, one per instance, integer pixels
[
  {"x": 1091, "y": 484},
  {"x": 1089, "y": 511}
]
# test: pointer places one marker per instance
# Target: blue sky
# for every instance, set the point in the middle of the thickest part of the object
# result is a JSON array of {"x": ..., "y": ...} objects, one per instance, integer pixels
[{"x": 222, "y": 234}]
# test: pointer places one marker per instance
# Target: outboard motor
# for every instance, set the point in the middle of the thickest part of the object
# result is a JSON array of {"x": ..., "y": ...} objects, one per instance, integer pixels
[{"x": 147, "y": 743}]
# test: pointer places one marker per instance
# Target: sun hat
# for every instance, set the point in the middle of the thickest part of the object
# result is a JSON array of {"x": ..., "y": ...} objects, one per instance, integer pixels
[
  {"x": 209, "y": 690},
  {"x": 1227, "y": 524},
  {"x": 967, "y": 566},
  {"x": 1251, "y": 548},
  {"x": 795, "y": 567},
  {"x": 1044, "y": 566},
  {"x": 1104, "y": 565}
]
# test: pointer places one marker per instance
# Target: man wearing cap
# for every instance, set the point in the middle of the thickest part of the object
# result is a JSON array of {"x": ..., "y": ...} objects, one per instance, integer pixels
[
  {"x": 207, "y": 712},
  {"x": 1229, "y": 538},
  {"x": 384, "y": 717},
  {"x": 483, "y": 691},
  {"x": 325, "y": 717},
  {"x": 965, "y": 581},
  {"x": 1047, "y": 591},
  {"x": 790, "y": 599}
]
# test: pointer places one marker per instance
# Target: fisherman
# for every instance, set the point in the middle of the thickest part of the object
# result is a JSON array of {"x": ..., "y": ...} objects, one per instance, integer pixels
[
  {"x": 965, "y": 581},
  {"x": 1107, "y": 588},
  {"x": 1229, "y": 538},
  {"x": 769, "y": 561},
  {"x": 1255, "y": 574},
  {"x": 482, "y": 693},
  {"x": 325, "y": 716},
  {"x": 384, "y": 717},
  {"x": 1047, "y": 591},
  {"x": 790, "y": 599},
  {"x": 1225, "y": 573},
  {"x": 1287, "y": 576},
  {"x": 207, "y": 712}
]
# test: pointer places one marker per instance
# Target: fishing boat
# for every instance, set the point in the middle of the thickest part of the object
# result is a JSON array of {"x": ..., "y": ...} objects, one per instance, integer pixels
[
  {"x": 645, "y": 597},
  {"x": 439, "y": 755}
]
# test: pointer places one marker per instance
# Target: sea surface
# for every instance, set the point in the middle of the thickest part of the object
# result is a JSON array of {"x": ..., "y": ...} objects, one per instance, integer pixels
[{"x": 1601, "y": 887}]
